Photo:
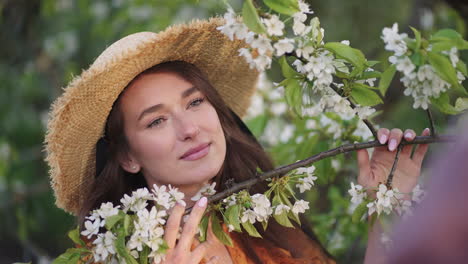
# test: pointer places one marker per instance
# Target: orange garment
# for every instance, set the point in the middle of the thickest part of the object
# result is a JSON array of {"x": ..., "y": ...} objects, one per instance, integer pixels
[
  {"x": 267, "y": 253},
  {"x": 252, "y": 250}
]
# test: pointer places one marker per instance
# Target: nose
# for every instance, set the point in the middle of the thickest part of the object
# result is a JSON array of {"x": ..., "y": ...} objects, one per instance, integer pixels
[{"x": 186, "y": 128}]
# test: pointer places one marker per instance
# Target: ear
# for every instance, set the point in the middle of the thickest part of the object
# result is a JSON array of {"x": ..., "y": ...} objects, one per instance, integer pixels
[{"x": 129, "y": 164}]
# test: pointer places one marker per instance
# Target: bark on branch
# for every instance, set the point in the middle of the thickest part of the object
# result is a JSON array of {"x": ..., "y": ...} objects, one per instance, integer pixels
[{"x": 322, "y": 155}]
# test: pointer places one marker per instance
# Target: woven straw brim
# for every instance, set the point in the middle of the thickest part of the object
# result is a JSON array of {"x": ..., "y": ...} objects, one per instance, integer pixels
[{"x": 77, "y": 118}]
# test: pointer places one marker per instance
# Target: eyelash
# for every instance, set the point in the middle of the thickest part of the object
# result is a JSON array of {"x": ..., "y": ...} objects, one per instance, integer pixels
[{"x": 193, "y": 103}]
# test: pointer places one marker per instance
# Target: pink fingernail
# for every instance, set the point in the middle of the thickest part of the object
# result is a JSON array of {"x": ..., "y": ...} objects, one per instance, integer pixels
[
  {"x": 202, "y": 202},
  {"x": 408, "y": 135},
  {"x": 392, "y": 145},
  {"x": 383, "y": 139}
]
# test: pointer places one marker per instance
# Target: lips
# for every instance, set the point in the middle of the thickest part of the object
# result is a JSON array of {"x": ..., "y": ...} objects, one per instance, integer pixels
[{"x": 197, "y": 152}]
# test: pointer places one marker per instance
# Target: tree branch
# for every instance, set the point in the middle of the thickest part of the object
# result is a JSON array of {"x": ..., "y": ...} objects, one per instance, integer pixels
[
  {"x": 322, "y": 155},
  {"x": 431, "y": 120},
  {"x": 392, "y": 171}
]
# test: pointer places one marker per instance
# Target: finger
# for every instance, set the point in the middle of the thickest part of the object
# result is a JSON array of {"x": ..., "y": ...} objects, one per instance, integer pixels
[
  {"x": 173, "y": 224},
  {"x": 213, "y": 260},
  {"x": 421, "y": 149},
  {"x": 409, "y": 136},
  {"x": 364, "y": 164},
  {"x": 382, "y": 135},
  {"x": 198, "y": 253},
  {"x": 394, "y": 139},
  {"x": 191, "y": 226}
]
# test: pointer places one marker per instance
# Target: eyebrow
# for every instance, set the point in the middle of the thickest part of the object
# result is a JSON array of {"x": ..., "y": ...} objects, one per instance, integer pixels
[{"x": 157, "y": 107}]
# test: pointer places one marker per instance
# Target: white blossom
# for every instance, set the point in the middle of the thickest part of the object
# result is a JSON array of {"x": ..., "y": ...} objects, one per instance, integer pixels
[
  {"x": 107, "y": 210},
  {"x": 418, "y": 194},
  {"x": 230, "y": 200},
  {"x": 287, "y": 133},
  {"x": 280, "y": 208},
  {"x": 278, "y": 108},
  {"x": 364, "y": 111},
  {"x": 300, "y": 206},
  {"x": 405, "y": 66},
  {"x": 206, "y": 190},
  {"x": 92, "y": 227},
  {"x": 249, "y": 215},
  {"x": 261, "y": 206},
  {"x": 309, "y": 171},
  {"x": 233, "y": 27},
  {"x": 274, "y": 25},
  {"x": 357, "y": 193},
  {"x": 306, "y": 183},
  {"x": 394, "y": 41},
  {"x": 284, "y": 46},
  {"x": 162, "y": 196},
  {"x": 104, "y": 246},
  {"x": 453, "y": 55}
]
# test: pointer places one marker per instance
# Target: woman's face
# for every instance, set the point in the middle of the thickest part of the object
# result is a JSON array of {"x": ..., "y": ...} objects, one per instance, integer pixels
[{"x": 174, "y": 133}]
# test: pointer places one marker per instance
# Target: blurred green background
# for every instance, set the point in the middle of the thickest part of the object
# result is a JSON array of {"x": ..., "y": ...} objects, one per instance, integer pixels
[{"x": 45, "y": 43}]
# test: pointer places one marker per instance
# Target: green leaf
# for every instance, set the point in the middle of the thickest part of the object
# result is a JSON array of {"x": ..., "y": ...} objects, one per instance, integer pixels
[
  {"x": 143, "y": 257},
  {"x": 112, "y": 220},
  {"x": 251, "y": 229},
  {"x": 445, "y": 70},
  {"x": 445, "y": 39},
  {"x": 232, "y": 217},
  {"x": 122, "y": 250},
  {"x": 443, "y": 104},
  {"x": 360, "y": 210},
  {"x": 203, "y": 227},
  {"x": 71, "y": 256},
  {"x": 417, "y": 36},
  {"x": 293, "y": 93},
  {"x": 417, "y": 59},
  {"x": 74, "y": 235},
  {"x": 285, "y": 200},
  {"x": 219, "y": 232},
  {"x": 364, "y": 96},
  {"x": 128, "y": 224},
  {"x": 354, "y": 56},
  {"x": 461, "y": 66},
  {"x": 286, "y": 69},
  {"x": 251, "y": 18},
  {"x": 283, "y": 219},
  {"x": 386, "y": 79},
  {"x": 257, "y": 124},
  {"x": 461, "y": 104},
  {"x": 372, "y": 63},
  {"x": 287, "y": 7},
  {"x": 369, "y": 75},
  {"x": 447, "y": 33}
]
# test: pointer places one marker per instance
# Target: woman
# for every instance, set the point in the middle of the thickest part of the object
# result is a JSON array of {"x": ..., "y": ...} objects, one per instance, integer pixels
[{"x": 164, "y": 109}]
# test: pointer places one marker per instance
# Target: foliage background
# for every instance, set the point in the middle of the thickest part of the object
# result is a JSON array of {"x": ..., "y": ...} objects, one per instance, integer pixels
[{"x": 45, "y": 43}]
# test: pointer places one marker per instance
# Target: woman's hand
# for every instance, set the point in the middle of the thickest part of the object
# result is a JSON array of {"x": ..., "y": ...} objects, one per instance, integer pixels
[
  {"x": 375, "y": 171},
  {"x": 181, "y": 252}
]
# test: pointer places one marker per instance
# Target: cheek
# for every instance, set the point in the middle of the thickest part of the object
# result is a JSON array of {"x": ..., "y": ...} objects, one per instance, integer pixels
[{"x": 150, "y": 147}]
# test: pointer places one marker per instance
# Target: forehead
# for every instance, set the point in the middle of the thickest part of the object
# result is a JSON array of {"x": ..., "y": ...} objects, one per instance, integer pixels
[{"x": 155, "y": 88}]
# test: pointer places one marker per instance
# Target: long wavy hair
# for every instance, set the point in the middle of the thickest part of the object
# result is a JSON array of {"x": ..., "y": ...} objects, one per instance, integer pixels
[{"x": 243, "y": 156}]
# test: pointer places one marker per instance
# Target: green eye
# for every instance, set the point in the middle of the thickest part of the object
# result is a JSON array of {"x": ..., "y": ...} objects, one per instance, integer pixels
[
  {"x": 156, "y": 122},
  {"x": 197, "y": 102}
]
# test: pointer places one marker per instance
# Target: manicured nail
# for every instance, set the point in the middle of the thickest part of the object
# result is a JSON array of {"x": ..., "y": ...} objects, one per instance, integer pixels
[
  {"x": 383, "y": 139},
  {"x": 202, "y": 202},
  {"x": 428, "y": 130},
  {"x": 392, "y": 145},
  {"x": 408, "y": 135},
  {"x": 181, "y": 203}
]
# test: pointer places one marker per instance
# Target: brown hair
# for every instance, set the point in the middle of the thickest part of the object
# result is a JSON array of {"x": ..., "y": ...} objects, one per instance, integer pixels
[{"x": 243, "y": 153}]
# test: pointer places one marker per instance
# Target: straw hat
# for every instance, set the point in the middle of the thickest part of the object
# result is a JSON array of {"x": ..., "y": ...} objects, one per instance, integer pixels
[{"x": 78, "y": 117}]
